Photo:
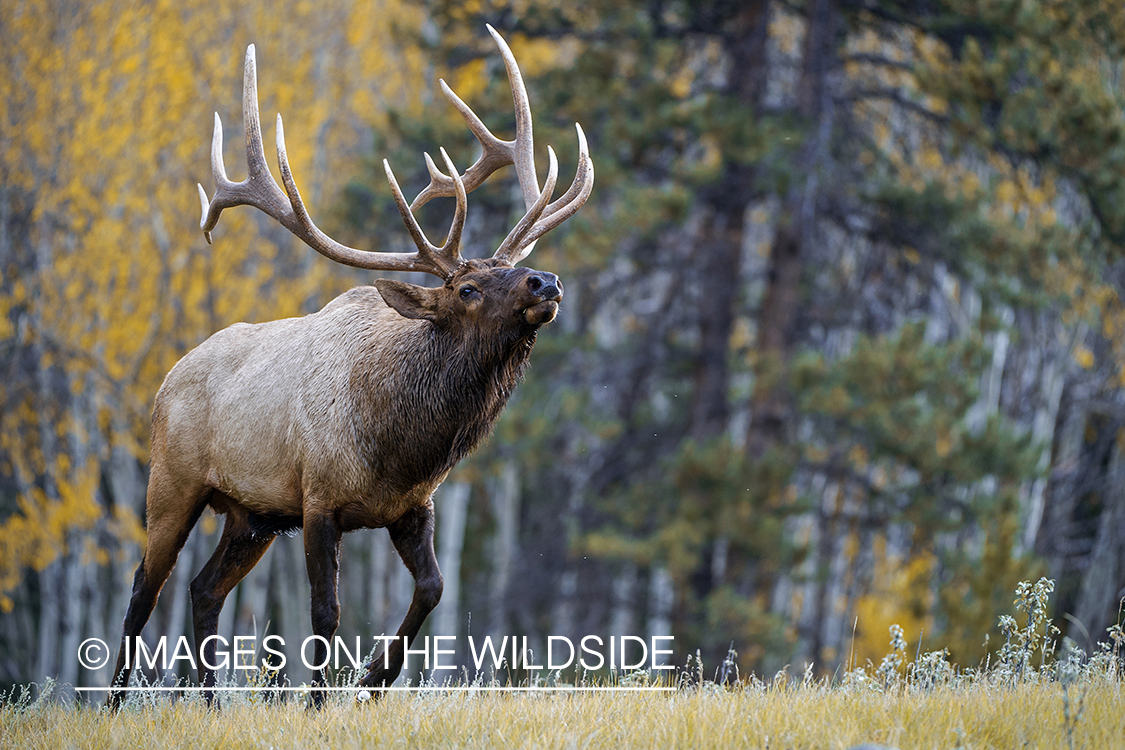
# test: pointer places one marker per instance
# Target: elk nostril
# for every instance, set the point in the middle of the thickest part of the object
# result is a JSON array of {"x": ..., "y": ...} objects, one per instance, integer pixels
[{"x": 544, "y": 285}]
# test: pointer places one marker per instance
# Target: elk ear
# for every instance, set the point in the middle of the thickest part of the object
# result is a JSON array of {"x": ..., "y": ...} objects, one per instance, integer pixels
[{"x": 409, "y": 300}]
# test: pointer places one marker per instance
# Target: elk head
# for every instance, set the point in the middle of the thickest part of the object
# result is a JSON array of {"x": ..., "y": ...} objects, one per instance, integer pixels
[{"x": 476, "y": 292}]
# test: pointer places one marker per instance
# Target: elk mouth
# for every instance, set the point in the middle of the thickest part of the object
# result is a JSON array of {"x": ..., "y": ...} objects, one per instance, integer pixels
[{"x": 541, "y": 313}]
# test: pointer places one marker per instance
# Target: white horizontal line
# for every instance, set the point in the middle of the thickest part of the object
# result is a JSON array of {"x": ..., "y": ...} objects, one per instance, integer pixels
[{"x": 420, "y": 689}]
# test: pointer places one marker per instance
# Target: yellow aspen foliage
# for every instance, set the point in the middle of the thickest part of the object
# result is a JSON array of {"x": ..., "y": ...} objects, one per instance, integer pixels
[
  {"x": 787, "y": 29},
  {"x": 931, "y": 159},
  {"x": 1084, "y": 357},
  {"x": 105, "y": 127},
  {"x": 899, "y": 595},
  {"x": 36, "y": 534}
]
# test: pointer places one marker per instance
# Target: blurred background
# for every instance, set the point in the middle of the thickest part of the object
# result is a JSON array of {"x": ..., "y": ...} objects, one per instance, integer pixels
[{"x": 841, "y": 345}]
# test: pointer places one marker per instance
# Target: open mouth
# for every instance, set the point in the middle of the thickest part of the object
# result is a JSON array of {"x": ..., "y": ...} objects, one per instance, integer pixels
[{"x": 541, "y": 313}]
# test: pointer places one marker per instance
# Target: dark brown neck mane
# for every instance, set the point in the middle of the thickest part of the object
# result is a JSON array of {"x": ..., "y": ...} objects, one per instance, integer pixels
[{"x": 452, "y": 388}]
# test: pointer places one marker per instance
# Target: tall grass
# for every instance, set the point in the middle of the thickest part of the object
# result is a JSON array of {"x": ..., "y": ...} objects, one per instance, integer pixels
[
  {"x": 1035, "y": 693},
  {"x": 975, "y": 715}
]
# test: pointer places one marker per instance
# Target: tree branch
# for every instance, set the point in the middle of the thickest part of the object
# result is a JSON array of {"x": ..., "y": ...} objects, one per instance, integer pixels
[
  {"x": 870, "y": 59},
  {"x": 896, "y": 97}
]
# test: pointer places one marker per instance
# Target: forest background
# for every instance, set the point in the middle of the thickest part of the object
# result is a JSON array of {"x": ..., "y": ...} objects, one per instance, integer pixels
[{"x": 842, "y": 343}]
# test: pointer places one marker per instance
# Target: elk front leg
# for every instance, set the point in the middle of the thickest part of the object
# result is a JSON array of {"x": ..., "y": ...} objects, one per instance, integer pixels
[
  {"x": 322, "y": 557},
  {"x": 413, "y": 537}
]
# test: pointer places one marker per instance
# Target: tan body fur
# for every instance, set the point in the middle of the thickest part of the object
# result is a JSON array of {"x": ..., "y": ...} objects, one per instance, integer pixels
[{"x": 254, "y": 413}]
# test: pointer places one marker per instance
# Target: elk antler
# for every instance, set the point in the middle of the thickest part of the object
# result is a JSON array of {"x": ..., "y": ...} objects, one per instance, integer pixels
[
  {"x": 261, "y": 191},
  {"x": 520, "y": 152}
]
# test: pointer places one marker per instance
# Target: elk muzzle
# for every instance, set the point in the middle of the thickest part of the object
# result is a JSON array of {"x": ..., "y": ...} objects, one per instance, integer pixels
[
  {"x": 545, "y": 291},
  {"x": 545, "y": 285}
]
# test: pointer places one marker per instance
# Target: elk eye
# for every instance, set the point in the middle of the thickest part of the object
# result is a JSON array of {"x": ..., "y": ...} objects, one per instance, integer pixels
[{"x": 468, "y": 292}]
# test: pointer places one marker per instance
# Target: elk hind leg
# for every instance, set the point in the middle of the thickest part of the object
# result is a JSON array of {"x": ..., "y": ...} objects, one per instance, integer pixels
[
  {"x": 238, "y": 551},
  {"x": 171, "y": 515}
]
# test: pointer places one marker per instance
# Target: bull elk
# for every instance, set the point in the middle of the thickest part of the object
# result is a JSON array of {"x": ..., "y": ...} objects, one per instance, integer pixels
[{"x": 351, "y": 417}]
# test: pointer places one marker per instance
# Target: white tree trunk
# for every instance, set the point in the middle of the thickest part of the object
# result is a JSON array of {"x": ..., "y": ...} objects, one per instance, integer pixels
[
  {"x": 661, "y": 599},
  {"x": 506, "y": 509},
  {"x": 452, "y": 504},
  {"x": 50, "y": 592},
  {"x": 1102, "y": 580}
]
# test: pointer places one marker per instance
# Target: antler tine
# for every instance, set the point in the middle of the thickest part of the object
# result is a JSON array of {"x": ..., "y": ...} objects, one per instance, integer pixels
[
  {"x": 451, "y": 250},
  {"x": 583, "y": 181},
  {"x": 568, "y": 204},
  {"x": 260, "y": 190},
  {"x": 263, "y": 194},
  {"x": 516, "y": 239},
  {"x": 448, "y": 256},
  {"x": 524, "y": 148},
  {"x": 416, "y": 233},
  {"x": 496, "y": 153}
]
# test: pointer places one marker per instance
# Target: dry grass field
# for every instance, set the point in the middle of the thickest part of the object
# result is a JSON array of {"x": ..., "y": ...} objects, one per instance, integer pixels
[
  {"x": 984, "y": 714},
  {"x": 1028, "y": 696}
]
